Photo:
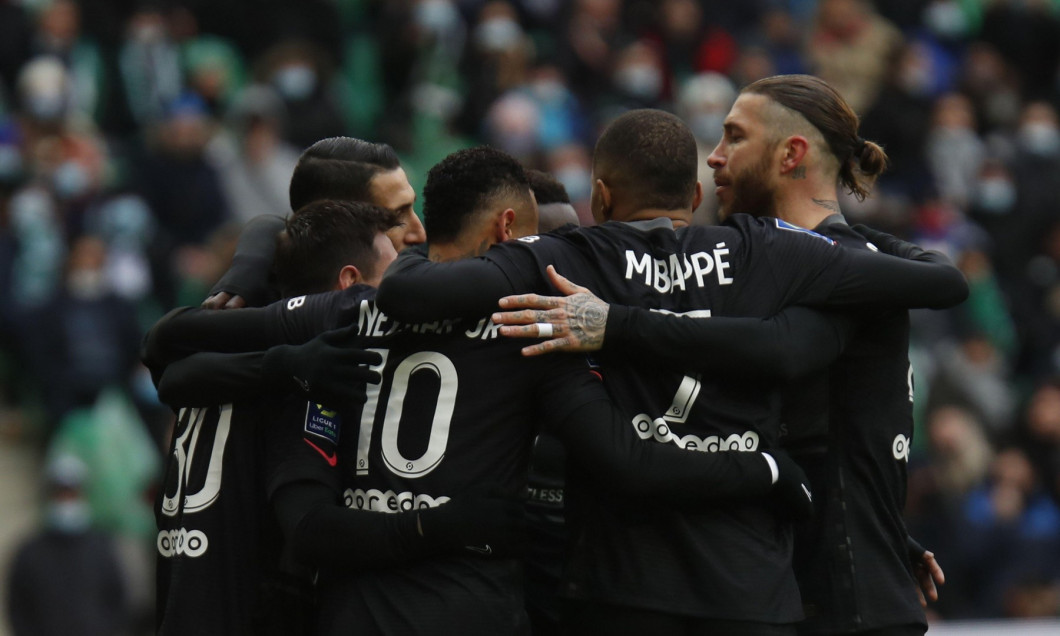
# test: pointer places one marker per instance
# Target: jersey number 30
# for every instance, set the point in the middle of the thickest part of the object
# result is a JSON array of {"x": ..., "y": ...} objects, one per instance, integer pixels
[{"x": 193, "y": 426}]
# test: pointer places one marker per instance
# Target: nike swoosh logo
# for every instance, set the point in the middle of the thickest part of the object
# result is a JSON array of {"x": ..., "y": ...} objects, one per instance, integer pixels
[
  {"x": 486, "y": 549},
  {"x": 332, "y": 459}
]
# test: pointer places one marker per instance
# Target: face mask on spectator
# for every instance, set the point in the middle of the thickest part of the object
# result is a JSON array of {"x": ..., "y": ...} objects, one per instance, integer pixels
[
  {"x": 70, "y": 180},
  {"x": 517, "y": 144},
  {"x": 497, "y": 34},
  {"x": 946, "y": 19},
  {"x": 641, "y": 80},
  {"x": 295, "y": 81},
  {"x": 1040, "y": 138},
  {"x": 576, "y": 180},
  {"x": 707, "y": 127},
  {"x": 10, "y": 163},
  {"x": 46, "y": 107},
  {"x": 437, "y": 16},
  {"x": 549, "y": 91},
  {"x": 996, "y": 195},
  {"x": 68, "y": 516}
]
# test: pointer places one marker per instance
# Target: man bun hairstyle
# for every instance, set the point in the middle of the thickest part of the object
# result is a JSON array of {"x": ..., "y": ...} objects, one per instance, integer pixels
[
  {"x": 466, "y": 183},
  {"x": 860, "y": 161},
  {"x": 339, "y": 168},
  {"x": 651, "y": 157}
]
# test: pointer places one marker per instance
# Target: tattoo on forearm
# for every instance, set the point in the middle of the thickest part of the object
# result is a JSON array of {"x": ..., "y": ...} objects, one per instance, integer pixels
[
  {"x": 827, "y": 203},
  {"x": 799, "y": 172},
  {"x": 588, "y": 318}
]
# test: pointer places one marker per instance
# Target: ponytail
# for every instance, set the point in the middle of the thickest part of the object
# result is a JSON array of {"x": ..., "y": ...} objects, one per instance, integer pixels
[
  {"x": 866, "y": 163},
  {"x": 860, "y": 161}
]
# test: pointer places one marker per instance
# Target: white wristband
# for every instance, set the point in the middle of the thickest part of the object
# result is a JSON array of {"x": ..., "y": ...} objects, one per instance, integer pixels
[
  {"x": 774, "y": 471},
  {"x": 544, "y": 329}
]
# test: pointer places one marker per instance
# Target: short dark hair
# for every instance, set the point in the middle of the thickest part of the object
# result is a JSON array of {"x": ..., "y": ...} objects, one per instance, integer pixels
[
  {"x": 650, "y": 156},
  {"x": 546, "y": 188},
  {"x": 323, "y": 237},
  {"x": 465, "y": 183},
  {"x": 339, "y": 168},
  {"x": 860, "y": 161}
]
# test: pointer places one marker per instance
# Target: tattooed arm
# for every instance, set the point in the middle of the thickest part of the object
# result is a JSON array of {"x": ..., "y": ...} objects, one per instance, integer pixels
[
  {"x": 789, "y": 345},
  {"x": 578, "y": 318}
]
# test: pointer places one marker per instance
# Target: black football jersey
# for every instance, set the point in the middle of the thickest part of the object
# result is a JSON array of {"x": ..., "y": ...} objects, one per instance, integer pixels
[
  {"x": 851, "y": 562},
  {"x": 733, "y": 561},
  {"x": 455, "y": 412},
  {"x": 546, "y": 550},
  {"x": 219, "y": 551}
]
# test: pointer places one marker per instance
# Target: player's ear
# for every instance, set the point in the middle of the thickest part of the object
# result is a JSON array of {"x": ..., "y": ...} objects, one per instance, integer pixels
[
  {"x": 794, "y": 151},
  {"x": 600, "y": 201},
  {"x": 697, "y": 197},
  {"x": 503, "y": 227},
  {"x": 349, "y": 276}
]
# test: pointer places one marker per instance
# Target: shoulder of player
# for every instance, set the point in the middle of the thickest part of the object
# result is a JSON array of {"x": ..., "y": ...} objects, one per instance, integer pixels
[
  {"x": 772, "y": 227},
  {"x": 844, "y": 235},
  {"x": 336, "y": 304}
]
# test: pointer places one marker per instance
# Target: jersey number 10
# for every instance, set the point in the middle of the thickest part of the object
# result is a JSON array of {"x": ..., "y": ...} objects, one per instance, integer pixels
[{"x": 421, "y": 362}]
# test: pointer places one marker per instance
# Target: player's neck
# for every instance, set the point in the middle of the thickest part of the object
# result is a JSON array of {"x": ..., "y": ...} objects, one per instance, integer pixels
[
  {"x": 680, "y": 217},
  {"x": 456, "y": 250},
  {"x": 807, "y": 207}
]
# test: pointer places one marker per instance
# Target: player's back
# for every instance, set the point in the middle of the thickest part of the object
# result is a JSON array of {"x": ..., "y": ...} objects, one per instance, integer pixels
[
  {"x": 218, "y": 546},
  {"x": 455, "y": 412},
  {"x": 861, "y": 480},
  {"x": 732, "y": 561}
]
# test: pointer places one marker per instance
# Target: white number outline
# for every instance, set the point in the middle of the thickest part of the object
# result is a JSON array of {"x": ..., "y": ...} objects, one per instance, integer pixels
[
  {"x": 647, "y": 427},
  {"x": 184, "y": 455},
  {"x": 423, "y": 361}
]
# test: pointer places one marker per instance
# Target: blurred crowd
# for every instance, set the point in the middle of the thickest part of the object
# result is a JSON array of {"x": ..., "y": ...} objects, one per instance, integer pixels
[{"x": 137, "y": 136}]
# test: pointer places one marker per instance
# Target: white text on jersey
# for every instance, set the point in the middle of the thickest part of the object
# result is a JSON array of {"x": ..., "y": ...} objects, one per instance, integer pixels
[
  {"x": 668, "y": 275},
  {"x": 389, "y": 501},
  {"x": 179, "y": 542},
  {"x": 374, "y": 323}
]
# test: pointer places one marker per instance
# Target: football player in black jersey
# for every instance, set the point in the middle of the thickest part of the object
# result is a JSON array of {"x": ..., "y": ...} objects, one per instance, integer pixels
[
  {"x": 851, "y": 426},
  {"x": 553, "y": 203},
  {"x": 337, "y": 168},
  {"x": 219, "y": 563},
  {"x": 444, "y": 378},
  {"x": 642, "y": 569},
  {"x": 547, "y": 542},
  {"x": 853, "y": 562}
]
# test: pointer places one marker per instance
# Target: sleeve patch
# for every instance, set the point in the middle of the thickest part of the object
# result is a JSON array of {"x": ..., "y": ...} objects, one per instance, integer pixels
[
  {"x": 784, "y": 225},
  {"x": 322, "y": 422}
]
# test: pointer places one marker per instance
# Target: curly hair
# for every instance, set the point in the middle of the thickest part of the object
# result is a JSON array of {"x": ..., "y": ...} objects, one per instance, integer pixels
[
  {"x": 651, "y": 156},
  {"x": 466, "y": 183}
]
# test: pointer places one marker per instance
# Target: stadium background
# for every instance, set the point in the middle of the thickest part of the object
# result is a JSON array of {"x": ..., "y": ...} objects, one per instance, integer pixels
[{"x": 136, "y": 137}]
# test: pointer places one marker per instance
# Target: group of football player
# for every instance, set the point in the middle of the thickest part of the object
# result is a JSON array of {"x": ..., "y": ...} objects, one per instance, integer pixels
[{"x": 708, "y": 434}]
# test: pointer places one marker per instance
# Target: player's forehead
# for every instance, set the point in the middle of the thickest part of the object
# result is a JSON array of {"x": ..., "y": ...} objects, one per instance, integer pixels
[
  {"x": 391, "y": 189},
  {"x": 747, "y": 113}
]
